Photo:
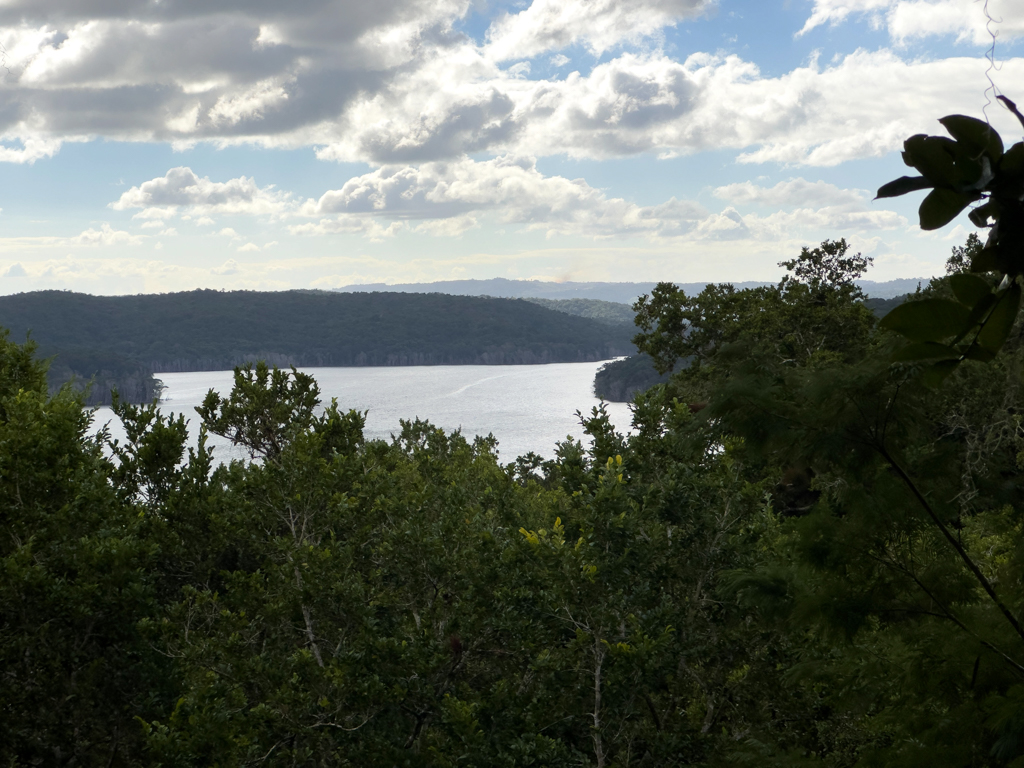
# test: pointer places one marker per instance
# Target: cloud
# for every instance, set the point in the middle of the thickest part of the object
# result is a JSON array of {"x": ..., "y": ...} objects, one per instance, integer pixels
[
  {"x": 395, "y": 83},
  {"x": 248, "y": 248},
  {"x": 15, "y": 270},
  {"x": 509, "y": 188},
  {"x": 551, "y": 25},
  {"x": 905, "y": 19},
  {"x": 792, "y": 192},
  {"x": 105, "y": 236},
  {"x": 447, "y": 199},
  {"x": 182, "y": 188},
  {"x": 230, "y": 267}
]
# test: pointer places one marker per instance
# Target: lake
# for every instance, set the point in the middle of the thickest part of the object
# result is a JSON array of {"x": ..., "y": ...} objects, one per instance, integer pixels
[{"x": 526, "y": 407}]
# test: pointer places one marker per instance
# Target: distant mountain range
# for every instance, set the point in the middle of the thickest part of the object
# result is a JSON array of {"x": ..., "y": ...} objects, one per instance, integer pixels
[{"x": 621, "y": 293}]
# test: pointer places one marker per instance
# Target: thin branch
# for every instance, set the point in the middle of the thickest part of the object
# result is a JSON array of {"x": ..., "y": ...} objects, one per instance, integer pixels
[{"x": 954, "y": 542}]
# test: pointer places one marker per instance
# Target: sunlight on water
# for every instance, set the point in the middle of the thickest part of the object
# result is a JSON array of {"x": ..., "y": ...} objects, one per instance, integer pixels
[{"x": 526, "y": 407}]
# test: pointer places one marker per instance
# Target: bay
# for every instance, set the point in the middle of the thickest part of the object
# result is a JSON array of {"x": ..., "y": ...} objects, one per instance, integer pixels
[{"x": 526, "y": 407}]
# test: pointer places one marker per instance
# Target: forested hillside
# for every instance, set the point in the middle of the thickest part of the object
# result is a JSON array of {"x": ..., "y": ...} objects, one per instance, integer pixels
[
  {"x": 126, "y": 338},
  {"x": 807, "y": 553},
  {"x": 610, "y": 312}
]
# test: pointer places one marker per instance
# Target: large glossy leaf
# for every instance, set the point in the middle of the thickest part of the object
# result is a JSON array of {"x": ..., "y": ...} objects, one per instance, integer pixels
[
  {"x": 926, "y": 350},
  {"x": 933, "y": 375},
  {"x": 980, "y": 215},
  {"x": 1000, "y": 321},
  {"x": 985, "y": 261},
  {"x": 969, "y": 289},
  {"x": 932, "y": 156},
  {"x": 980, "y": 310},
  {"x": 1012, "y": 163},
  {"x": 941, "y": 207},
  {"x": 903, "y": 185},
  {"x": 977, "y": 135},
  {"x": 927, "y": 319}
]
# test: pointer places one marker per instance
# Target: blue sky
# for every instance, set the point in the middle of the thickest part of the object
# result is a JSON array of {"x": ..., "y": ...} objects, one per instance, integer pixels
[{"x": 153, "y": 147}]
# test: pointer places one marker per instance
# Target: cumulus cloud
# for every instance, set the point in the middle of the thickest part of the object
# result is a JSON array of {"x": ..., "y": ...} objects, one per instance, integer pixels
[
  {"x": 922, "y": 18},
  {"x": 863, "y": 105},
  {"x": 789, "y": 193},
  {"x": 15, "y": 270},
  {"x": 182, "y": 188},
  {"x": 106, "y": 235},
  {"x": 509, "y": 188},
  {"x": 393, "y": 82},
  {"x": 229, "y": 267},
  {"x": 550, "y": 25},
  {"x": 446, "y": 199}
]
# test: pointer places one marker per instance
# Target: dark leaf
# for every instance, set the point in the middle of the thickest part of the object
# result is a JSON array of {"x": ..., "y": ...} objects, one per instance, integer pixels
[
  {"x": 974, "y": 352},
  {"x": 980, "y": 215},
  {"x": 926, "y": 350},
  {"x": 903, "y": 185},
  {"x": 976, "y": 135},
  {"x": 999, "y": 323},
  {"x": 941, "y": 207},
  {"x": 979, "y": 311},
  {"x": 969, "y": 289},
  {"x": 933, "y": 157},
  {"x": 933, "y": 375},
  {"x": 1012, "y": 163},
  {"x": 927, "y": 320},
  {"x": 985, "y": 261}
]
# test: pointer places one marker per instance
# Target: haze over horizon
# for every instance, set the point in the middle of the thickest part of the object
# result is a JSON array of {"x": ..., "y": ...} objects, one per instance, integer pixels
[{"x": 154, "y": 147}]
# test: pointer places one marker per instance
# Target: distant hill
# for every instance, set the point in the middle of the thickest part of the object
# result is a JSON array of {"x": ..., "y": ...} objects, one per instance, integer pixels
[
  {"x": 620, "y": 293},
  {"x": 119, "y": 338},
  {"x": 609, "y": 312}
]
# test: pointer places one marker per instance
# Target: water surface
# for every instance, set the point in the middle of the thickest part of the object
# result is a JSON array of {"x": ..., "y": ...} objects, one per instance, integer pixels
[{"x": 526, "y": 407}]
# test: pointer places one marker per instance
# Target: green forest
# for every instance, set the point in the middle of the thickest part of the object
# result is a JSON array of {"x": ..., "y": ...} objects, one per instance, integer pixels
[
  {"x": 120, "y": 341},
  {"x": 809, "y": 551}
]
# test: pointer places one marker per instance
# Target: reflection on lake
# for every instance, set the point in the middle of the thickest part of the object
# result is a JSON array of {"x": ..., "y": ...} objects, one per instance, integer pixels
[{"x": 526, "y": 407}]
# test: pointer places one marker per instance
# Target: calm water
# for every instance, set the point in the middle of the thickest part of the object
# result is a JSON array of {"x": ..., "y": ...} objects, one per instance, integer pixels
[{"x": 526, "y": 407}]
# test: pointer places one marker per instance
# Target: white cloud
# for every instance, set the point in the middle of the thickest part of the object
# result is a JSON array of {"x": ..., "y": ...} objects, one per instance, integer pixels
[
  {"x": 182, "y": 188},
  {"x": 447, "y": 199},
  {"x": 248, "y": 248},
  {"x": 393, "y": 83},
  {"x": 105, "y": 236},
  {"x": 551, "y": 25},
  {"x": 792, "y": 192},
  {"x": 905, "y": 19},
  {"x": 15, "y": 270},
  {"x": 230, "y": 267}
]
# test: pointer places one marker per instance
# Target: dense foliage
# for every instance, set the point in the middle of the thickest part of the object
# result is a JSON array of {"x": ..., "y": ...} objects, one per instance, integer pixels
[
  {"x": 821, "y": 562},
  {"x": 124, "y": 339},
  {"x": 822, "y": 566}
]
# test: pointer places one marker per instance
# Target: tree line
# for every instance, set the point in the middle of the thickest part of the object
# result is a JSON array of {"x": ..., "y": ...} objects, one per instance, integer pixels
[
  {"x": 121, "y": 341},
  {"x": 807, "y": 552}
]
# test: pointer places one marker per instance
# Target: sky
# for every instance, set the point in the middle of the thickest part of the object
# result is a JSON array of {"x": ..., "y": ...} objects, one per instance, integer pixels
[{"x": 150, "y": 146}]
